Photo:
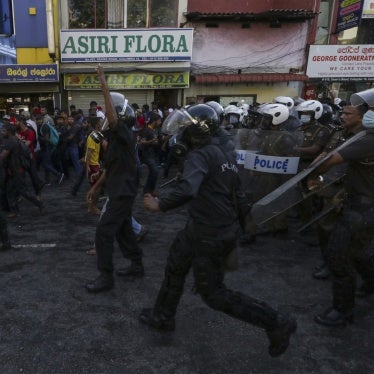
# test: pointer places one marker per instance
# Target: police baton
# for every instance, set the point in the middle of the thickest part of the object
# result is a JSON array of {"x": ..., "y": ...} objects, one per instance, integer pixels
[{"x": 317, "y": 217}]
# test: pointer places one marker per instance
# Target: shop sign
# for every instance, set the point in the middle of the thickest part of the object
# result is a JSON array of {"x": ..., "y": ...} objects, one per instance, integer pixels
[
  {"x": 349, "y": 14},
  {"x": 341, "y": 62},
  {"x": 128, "y": 81},
  {"x": 29, "y": 73},
  {"x": 126, "y": 45},
  {"x": 368, "y": 10}
]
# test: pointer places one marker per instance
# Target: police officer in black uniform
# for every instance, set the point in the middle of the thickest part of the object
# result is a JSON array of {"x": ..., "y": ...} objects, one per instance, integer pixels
[
  {"x": 211, "y": 185},
  {"x": 338, "y": 135},
  {"x": 121, "y": 184},
  {"x": 346, "y": 250}
]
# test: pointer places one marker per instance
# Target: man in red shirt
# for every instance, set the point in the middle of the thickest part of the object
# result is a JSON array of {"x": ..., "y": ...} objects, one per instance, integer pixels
[{"x": 27, "y": 135}]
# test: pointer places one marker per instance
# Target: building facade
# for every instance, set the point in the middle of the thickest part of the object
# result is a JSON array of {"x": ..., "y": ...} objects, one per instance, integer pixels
[
  {"x": 178, "y": 52},
  {"x": 29, "y": 71}
]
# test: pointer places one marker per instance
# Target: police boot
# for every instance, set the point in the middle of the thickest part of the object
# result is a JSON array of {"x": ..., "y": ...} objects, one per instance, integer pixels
[
  {"x": 334, "y": 318},
  {"x": 157, "y": 320},
  {"x": 136, "y": 269},
  {"x": 279, "y": 337},
  {"x": 103, "y": 282},
  {"x": 278, "y": 327},
  {"x": 161, "y": 317}
]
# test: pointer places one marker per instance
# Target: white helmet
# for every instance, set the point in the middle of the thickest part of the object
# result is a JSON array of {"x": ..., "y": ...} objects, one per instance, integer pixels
[
  {"x": 285, "y": 100},
  {"x": 311, "y": 106},
  {"x": 233, "y": 109},
  {"x": 279, "y": 112},
  {"x": 243, "y": 105},
  {"x": 337, "y": 101},
  {"x": 216, "y": 106},
  {"x": 362, "y": 97}
]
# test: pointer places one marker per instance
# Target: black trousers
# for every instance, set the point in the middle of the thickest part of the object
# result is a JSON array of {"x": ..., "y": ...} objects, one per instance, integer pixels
[
  {"x": 15, "y": 185},
  {"x": 207, "y": 259},
  {"x": 115, "y": 224},
  {"x": 347, "y": 253}
]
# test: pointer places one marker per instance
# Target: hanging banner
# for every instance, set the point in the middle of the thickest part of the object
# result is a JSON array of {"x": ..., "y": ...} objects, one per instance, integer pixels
[
  {"x": 126, "y": 45},
  {"x": 349, "y": 14},
  {"x": 127, "y": 81},
  {"x": 341, "y": 62}
]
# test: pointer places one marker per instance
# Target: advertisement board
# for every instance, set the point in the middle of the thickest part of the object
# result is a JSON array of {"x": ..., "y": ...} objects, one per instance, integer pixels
[
  {"x": 368, "y": 9},
  {"x": 349, "y": 14},
  {"x": 341, "y": 62}
]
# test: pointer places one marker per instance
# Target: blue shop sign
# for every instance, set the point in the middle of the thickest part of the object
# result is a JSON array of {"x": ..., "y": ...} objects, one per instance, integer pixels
[{"x": 29, "y": 73}]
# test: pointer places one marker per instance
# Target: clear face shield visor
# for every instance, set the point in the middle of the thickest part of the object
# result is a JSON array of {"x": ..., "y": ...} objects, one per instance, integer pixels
[
  {"x": 176, "y": 122},
  {"x": 362, "y": 97}
]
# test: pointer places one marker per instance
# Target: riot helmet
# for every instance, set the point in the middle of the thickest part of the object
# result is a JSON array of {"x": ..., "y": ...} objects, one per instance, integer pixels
[
  {"x": 278, "y": 112},
  {"x": 120, "y": 102},
  {"x": 285, "y": 100},
  {"x": 124, "y": 111},
  {"x": 218, "y": 108},
  {"x": 192, "y": 127},
  {"x": 363, "y": 97},
  {"x": 327, "y": 113},
  {"x": 310, "y": 107},
  {"x": 205, "y": 115}
]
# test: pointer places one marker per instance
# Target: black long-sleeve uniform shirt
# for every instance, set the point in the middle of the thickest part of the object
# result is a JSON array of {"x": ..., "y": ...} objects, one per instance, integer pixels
[{"x": 211, "y": 185}]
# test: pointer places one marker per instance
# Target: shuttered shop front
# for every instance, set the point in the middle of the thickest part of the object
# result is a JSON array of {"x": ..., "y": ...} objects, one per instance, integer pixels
[{"x": 82, "y": 99}]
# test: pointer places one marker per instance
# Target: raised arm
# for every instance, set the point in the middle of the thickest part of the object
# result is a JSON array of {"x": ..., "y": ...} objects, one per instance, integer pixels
[{"x": 110, "y": 112}]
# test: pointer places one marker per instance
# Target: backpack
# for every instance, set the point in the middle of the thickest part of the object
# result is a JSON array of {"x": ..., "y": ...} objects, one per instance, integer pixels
[
  {"x": 25, "y": 155},
  {"x": 54, "y": 136}
]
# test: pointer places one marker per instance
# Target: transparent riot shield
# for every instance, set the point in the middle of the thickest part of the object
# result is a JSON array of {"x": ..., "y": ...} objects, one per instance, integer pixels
[{"x": 267, "y": 159}]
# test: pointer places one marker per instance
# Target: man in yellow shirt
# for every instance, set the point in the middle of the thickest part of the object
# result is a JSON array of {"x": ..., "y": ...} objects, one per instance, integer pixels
[{"x": 93, "y": 166}]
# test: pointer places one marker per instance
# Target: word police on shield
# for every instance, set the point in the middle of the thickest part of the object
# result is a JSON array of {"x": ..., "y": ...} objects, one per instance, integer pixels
[{"x": 271, "y": 164}]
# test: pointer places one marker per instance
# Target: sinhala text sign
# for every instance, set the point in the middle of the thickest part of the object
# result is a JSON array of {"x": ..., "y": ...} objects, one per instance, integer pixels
[
  {"x": 126, "y": 45},
  {"x": 341, "y": 62}
]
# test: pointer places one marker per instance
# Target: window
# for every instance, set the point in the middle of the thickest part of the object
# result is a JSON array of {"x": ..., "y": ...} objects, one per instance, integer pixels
[
  {"x": 111, "y": 14},
  {"x": 6, "y": 23}
]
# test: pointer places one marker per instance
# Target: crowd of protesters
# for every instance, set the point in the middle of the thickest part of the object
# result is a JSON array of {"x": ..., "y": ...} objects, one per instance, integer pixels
[{"x": 59, "y": 149}]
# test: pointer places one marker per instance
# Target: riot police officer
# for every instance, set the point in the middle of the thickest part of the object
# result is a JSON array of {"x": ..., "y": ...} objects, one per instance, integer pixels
[
  {"x": 121, "y": 184},
  {"x": 316, "y": 137},
  {"x": 211, "y": 185},
  {"x": 346, "y": 250}
]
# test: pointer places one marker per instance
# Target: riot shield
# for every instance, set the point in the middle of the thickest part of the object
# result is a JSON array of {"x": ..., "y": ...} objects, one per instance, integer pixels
[
  {"x": 292, "y": 192},
  {"x": 267, "y": 159}
]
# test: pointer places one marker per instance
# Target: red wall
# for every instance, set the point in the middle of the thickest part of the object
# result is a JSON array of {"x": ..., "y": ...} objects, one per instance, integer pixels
[{"x": 249, "y": 6}]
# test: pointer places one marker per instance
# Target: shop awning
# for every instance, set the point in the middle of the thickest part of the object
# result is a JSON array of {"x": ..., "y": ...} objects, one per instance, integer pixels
[{"x": 248, "y": 78}]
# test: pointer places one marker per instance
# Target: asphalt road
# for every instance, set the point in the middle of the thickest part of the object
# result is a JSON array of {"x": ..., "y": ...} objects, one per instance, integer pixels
[{"x": 50, "y": 324}]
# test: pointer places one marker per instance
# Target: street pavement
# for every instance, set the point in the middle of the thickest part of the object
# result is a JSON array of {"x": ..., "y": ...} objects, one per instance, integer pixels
[{"x": 49, "y": 323}]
